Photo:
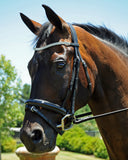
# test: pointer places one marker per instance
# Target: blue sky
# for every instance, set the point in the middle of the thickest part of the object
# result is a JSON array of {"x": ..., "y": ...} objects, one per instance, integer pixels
[{"x": 16, "y": 39}]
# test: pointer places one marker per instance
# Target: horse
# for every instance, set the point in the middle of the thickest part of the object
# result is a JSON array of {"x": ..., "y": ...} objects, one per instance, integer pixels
[{"x": 74, "y": 65}]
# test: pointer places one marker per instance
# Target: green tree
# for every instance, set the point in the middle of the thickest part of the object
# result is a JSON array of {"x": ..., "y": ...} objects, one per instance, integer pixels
[
  {"x": 10, "y": 91},
  {"x": 25, "y": 93}
]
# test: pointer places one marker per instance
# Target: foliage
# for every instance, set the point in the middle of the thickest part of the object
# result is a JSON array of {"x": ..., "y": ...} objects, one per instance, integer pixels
[
  {"x": 89, "y": 125},
  {"x": 77, "y": 140},
  {"x": 89, "y": 145},
  {"x": 10, "y": 91},
  {"x": 25, "y": 93},
  {"x": 100, "y": 150},
  {"x": 19, "y": 145},
  {"x": 69, "y": 138},
  {"x": 8, "y": 145}
]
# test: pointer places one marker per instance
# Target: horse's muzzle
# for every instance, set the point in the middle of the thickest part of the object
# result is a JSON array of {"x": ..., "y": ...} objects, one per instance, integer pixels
[{"x": 35, "y": 140}]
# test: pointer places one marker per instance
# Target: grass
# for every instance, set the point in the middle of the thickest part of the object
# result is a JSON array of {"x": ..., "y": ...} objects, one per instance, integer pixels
[
  {"x": 63, "y": 155},
  {"x": 9, "y": 156}
]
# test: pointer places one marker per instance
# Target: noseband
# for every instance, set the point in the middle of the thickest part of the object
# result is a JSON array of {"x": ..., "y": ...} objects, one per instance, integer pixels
[{"x": 35, "y": 105}]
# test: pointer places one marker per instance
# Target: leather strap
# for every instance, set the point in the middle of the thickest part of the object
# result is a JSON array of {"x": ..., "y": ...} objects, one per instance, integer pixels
[
  {"x": 35, "y": 110},
  {"x": 56, "y": 44},
  {"x": 46, "y": 105}
]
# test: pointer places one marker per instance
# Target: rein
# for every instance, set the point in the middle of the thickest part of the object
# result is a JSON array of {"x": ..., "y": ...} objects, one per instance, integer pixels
[{"x": 69, "y": 118}]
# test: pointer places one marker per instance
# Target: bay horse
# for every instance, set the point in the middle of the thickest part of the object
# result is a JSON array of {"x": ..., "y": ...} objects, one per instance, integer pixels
[{"x": 74, "y": 65}]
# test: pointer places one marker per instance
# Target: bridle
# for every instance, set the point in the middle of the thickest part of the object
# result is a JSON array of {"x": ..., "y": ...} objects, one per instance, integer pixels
[{"x": 69, "y": 117}]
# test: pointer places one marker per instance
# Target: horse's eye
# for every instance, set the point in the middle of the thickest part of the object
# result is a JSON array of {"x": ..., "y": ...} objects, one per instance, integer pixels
[{"x": 60, "y": 64}]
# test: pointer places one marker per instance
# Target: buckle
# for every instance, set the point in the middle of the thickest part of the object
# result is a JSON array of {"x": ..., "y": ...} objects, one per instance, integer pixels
[
  {"x": 63, "y": 125},
  {"x": 33, "y": 108}
]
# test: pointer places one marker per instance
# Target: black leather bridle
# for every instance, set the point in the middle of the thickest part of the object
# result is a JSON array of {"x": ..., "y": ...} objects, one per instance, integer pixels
[{"x": 69, "y": 117}]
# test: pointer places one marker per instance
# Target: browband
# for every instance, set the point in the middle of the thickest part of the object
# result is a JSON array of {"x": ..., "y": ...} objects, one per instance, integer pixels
[{"x": 56, "y": 44}]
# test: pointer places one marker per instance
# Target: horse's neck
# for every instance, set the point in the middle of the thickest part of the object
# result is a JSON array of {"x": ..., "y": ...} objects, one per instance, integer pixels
[
  {"x": 111, "y": 83},
  {"x": 111, "y": 93}
]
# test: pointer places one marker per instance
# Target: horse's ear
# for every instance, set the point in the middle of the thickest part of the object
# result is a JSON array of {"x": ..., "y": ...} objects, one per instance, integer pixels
[
  {"x": 32, "y": 25},
  {"x": 53, "y": 17}
]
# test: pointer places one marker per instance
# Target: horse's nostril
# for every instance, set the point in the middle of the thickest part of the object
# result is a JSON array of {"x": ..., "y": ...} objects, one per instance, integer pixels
[{"x": 37, "y": 136}]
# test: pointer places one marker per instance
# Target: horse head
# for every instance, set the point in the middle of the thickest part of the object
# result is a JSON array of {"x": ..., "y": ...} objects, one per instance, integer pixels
[{"x": 51, "y": 70}]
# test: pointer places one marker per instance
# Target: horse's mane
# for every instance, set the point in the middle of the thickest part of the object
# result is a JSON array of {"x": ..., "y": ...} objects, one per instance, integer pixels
[
  {"x": 107, "y": 35},
  {"x": 99, "y": 31}
]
